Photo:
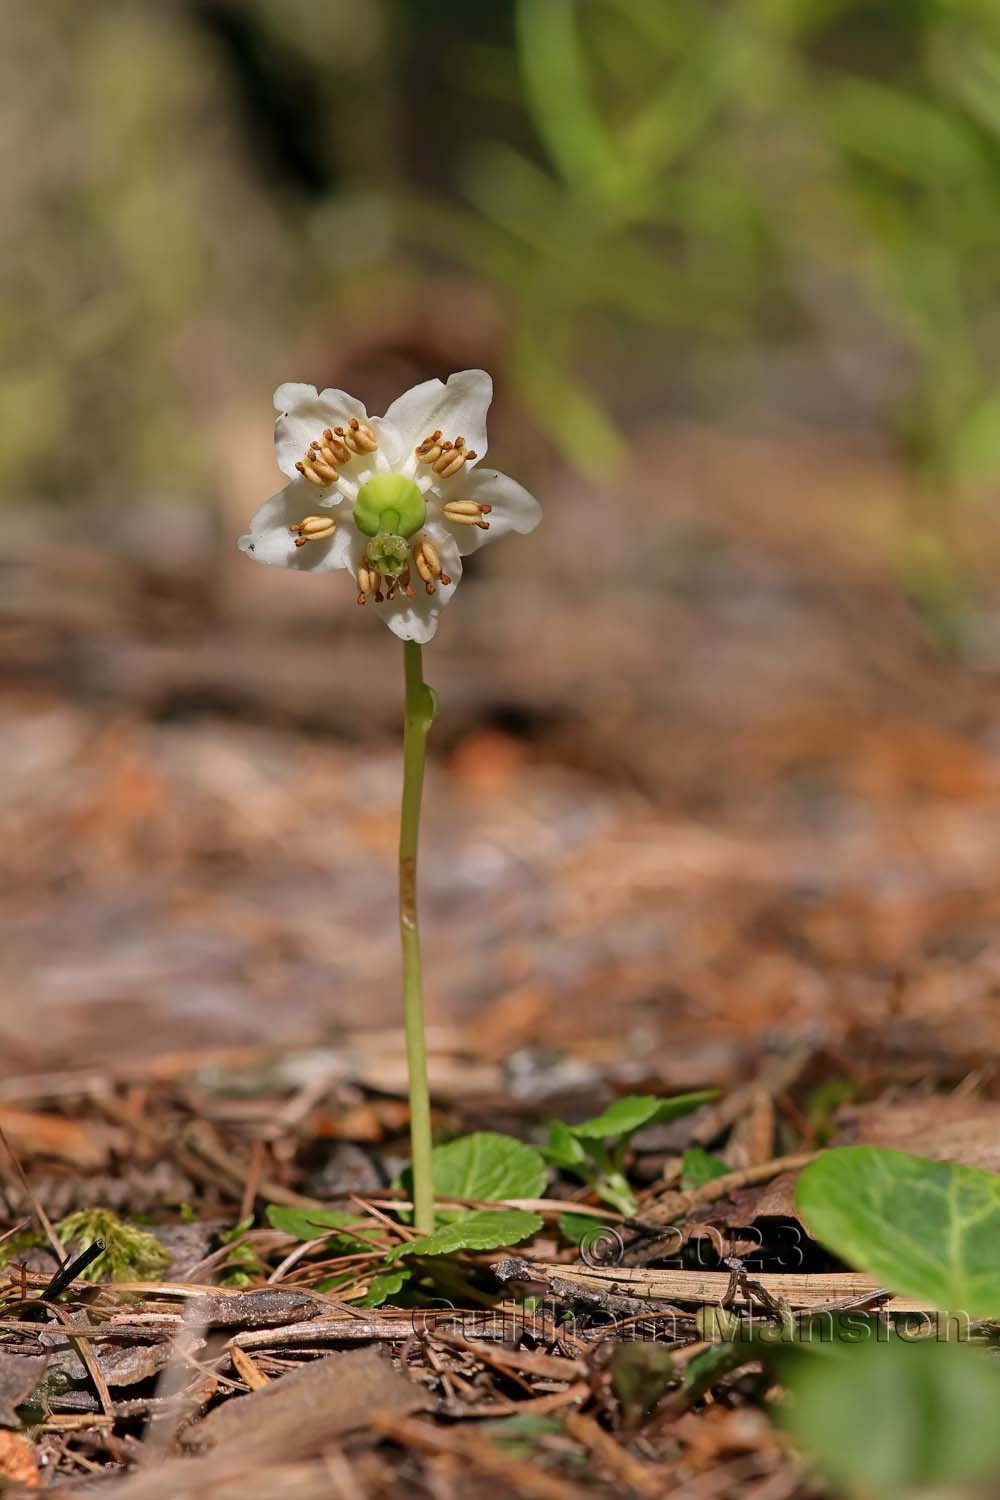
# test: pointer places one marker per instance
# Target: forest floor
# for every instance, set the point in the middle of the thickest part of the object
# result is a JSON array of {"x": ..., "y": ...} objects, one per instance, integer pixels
[{"x": 733, "y": 829}]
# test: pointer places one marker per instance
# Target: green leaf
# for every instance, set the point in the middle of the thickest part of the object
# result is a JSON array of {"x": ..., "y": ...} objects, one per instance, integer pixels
[
  {"x": 385, "y": 1284},
  {"x": 636, "y": 1110},
  {"x": 712, "y": 1363},
  {"x": 579, "y": 1228},
  {"x": 488, "y": 1167},
  {"x": 557, "y": 90},
  {"x": 887, "y": 1419},
  {"x": 699, "y": 1167},
  {"x": 615, "y": 1189},
  {"x": 928, "y": 1228},
  {"x": 563, "y": 1148},
  {"x": 314, "y": 1223},
  {"x": 824, "y": 1101},
  {"x": 485, "y": 1229},
  {"x": 521, "y": 1436}
]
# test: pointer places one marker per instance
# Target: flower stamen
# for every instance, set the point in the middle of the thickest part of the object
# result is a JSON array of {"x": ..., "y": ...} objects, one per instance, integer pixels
[
  {"x": 313, "y": 529},
  {"x": 357, "y": 436},
  {"x": 427, "y": 561},
  {"x": 467, "y": 513},
  {"x": 369, "y": 582},
  {"x": 335, "y": 451},
  {"x": 429, "y": 450},
  {"x": 444, "y": 457},
  {"x": 336, "y": 446},
  {"x": 310, "y": 471}
]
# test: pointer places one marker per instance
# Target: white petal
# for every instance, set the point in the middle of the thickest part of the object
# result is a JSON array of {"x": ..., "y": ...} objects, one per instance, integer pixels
[
  {"x": 458, "y": 408},
  {"x": 514, "y": 509},
  {"x": 269, "y": 540},
  {"x": 303, "y": 414}
]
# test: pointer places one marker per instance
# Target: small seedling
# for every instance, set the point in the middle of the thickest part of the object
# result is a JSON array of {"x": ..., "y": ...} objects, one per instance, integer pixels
[{"x": 596, "y": 1150}]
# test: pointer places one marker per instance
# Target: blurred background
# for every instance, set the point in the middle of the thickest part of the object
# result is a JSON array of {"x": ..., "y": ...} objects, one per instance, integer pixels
[{"x": 717, "y": 764}]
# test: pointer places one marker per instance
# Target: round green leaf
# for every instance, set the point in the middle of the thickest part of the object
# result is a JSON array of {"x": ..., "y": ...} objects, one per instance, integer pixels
[
  {"x": 891, "y": 1419},
  {"x": 488, "y": 1167},
  {"x": 927, "y": 1228}
]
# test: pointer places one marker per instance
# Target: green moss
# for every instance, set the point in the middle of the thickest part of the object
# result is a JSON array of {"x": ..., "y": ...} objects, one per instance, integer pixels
[
  {"x": 18, "y": 1245},
  {"x": 130, "y": 1254}
]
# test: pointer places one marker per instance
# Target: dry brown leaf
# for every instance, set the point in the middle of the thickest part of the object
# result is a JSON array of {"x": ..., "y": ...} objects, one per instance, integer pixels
[
  {"x": 297, "y": 1414},
  {"x": 17, "y": 1460},
  {"x": 944, "y": 1127},
  {"x": 19, "y": 1375},
  {"x": 82, "y": 1143}
]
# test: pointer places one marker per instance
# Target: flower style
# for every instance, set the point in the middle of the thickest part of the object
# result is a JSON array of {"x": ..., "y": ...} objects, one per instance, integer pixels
[{"x": 396, "y": 500}]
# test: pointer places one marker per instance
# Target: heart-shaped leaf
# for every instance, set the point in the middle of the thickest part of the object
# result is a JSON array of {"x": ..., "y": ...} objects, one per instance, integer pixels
[
  {"x": 928, "y": 1228},
  {"x": 488, "y": 1167},
  {"x": 485, "y": 1229}
]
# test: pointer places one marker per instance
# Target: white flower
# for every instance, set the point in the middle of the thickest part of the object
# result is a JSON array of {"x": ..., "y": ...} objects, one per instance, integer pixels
[{"x": 397, "y": 500}]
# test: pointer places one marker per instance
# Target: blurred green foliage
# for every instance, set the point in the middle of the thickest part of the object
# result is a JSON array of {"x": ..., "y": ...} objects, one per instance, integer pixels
[
  {"x": 760, "y": 174},
  {"x": 724, "y": 206}
]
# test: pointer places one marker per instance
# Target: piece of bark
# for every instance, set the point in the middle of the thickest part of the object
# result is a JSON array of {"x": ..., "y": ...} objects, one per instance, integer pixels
[
  {"x": 121, "y": 1364},
  {"x": 388, "y": 1326},
  {"x": 526, "y": 1278},
  {"x": 299, "y": 1413},
  {"x": 19, "y": 1375},
  {"x": 263, "y": 1307},
  {"x": 708, "y": 1288}
]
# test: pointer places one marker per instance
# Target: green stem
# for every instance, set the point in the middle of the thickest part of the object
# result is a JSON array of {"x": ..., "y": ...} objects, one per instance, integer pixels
[{"x": 421, "y": 707}]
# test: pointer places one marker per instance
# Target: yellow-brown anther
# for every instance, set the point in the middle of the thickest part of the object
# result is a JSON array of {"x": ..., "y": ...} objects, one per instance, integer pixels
[
  {"x": 453, "y": 457},
  {"x": 313, "y": 529},
  {"x": 317, "y": 460},
  {"x": 368, "y": 583},
  {"x": 444, "y": 457},
  {"x": 428, "y": 564},
  {"x": 324, "y": 454},
  {"x": 307, "y": 471},
  {"x": 339, "y": 452},
  {"x": 357, "y": 436},
  {"x": 429, "y": 450},
  {"x": 467, "y": 513}
]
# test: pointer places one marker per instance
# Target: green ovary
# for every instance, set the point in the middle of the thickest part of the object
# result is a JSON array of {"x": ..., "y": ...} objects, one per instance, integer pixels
[{"x": 391, "y": 504}]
